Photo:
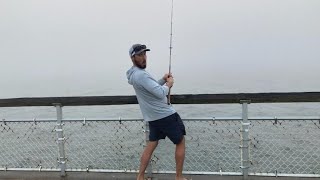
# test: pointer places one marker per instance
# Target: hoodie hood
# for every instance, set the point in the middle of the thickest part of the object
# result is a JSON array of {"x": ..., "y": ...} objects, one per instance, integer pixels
[{"x": 130, "y": 73}]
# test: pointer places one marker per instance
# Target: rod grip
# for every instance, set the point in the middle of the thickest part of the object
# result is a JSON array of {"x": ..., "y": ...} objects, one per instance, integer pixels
[{"x": 169, "y": 97}]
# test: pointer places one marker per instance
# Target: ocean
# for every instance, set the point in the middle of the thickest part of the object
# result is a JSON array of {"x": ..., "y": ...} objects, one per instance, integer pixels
[{"x": 182, "y": 86}]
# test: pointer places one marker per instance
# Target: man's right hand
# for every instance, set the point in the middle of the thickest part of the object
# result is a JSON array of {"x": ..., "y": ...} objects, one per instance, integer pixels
[
  {"x": 166, "y": 76},
  {"x": 170, "y": 81}
]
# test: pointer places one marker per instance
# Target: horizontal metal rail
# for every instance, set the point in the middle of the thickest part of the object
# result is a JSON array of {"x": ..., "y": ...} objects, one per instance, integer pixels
[
  {"x": 162, "y": 172},
  {"x": 30, "y": 169},
  {"x": 285, "y": 175},
  {"x": 293, "y": 118}
]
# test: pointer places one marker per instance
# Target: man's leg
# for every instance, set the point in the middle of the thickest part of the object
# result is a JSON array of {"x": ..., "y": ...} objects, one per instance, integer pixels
[
  {"x": 145, "y": 158},
  {"x": 180, "y": 154}
]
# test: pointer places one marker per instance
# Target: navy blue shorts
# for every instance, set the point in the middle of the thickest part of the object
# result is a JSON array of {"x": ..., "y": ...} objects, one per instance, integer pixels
[{"x": 170, "y": 126}]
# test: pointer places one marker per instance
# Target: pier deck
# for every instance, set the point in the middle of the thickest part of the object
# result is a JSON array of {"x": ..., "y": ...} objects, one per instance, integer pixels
[{"x": 20, "y": 175}]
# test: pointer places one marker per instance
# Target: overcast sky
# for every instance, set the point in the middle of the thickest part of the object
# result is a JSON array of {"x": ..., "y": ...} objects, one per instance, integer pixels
[{"x": 80, "y": 47}]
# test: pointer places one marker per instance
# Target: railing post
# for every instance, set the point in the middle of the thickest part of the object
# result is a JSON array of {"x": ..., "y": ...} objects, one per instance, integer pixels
[
  {"x": 147, "y": 132},
  {"x": 61, "y": 140},
  {"x": 245, "y": 161}
]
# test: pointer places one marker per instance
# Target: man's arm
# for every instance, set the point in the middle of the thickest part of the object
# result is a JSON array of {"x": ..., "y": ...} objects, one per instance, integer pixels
[
  {"x": 161, "y": 81},
  {"x": 147, "y": 82}
]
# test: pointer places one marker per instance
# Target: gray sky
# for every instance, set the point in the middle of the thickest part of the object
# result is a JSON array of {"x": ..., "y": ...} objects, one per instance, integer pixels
[{"x": 80, "y": 47}]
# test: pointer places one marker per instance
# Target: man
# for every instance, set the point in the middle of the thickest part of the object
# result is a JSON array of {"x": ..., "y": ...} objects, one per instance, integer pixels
[{"x": 163, "y": 120}]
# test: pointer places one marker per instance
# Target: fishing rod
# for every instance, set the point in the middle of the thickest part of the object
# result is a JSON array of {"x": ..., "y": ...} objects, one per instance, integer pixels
[{"x": 170, "y": 54}]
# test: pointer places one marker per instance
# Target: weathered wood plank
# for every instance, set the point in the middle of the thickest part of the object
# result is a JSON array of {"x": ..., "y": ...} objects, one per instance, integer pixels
[
  {"x": 253, "y": 97},
  {"x": 175, "y": 99}
]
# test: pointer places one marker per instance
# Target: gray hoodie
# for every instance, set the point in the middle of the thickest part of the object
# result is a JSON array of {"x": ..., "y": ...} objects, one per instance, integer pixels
[{"x": 151, "y": 94}]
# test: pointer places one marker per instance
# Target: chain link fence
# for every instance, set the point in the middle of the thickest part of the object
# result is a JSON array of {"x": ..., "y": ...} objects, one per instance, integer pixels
[
  {"x": 113, "y": 145},
  {"x": 212, "y": 146},
  {"x": 28, "y": 145},
  {"x": 285, "y": 147}
]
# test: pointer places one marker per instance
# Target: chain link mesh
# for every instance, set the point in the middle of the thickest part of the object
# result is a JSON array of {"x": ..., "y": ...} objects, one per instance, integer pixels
[
  {"x": 211, "y": 146},
  {"x": 28, "y": 145},
  {"x": 291, "y": 147},
  {"x": 112, "y": 145}
]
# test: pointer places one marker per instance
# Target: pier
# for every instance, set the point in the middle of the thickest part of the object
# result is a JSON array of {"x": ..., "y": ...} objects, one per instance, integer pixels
[{"x": 217, "y": 147}]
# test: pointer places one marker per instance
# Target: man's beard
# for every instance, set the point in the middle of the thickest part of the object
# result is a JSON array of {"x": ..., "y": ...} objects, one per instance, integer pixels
[{"x": 141, "y": 66}]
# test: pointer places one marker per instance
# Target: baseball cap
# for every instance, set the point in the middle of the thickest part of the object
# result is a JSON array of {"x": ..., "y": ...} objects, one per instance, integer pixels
[{"x": 137, "y": 49}]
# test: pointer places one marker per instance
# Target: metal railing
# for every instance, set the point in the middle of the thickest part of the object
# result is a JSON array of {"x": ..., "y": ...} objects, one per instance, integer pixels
[{"x": 277, "y": 146}]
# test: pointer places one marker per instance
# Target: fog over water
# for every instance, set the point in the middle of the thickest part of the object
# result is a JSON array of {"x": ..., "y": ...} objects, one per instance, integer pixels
[{"x": 80, "y": 47}]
